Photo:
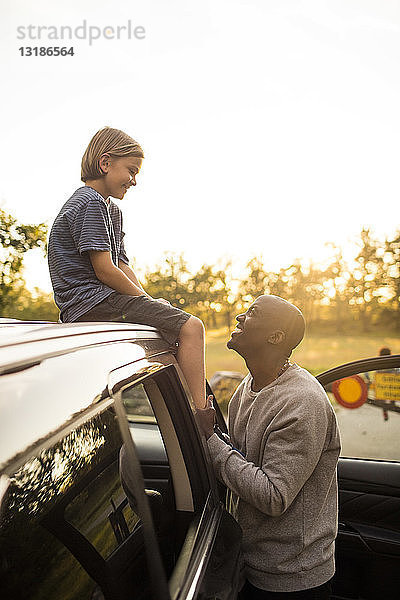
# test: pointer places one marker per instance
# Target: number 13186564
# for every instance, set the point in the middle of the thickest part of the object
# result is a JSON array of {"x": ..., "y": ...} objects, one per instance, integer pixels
[{"x": 46, "y": 51}]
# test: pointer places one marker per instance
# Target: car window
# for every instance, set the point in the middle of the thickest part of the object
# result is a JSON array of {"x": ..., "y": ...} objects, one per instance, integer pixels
[
  {"x": 143, "y": 425},
  {"x": 67, "y": 529},
  {"x": 101, "y": 511},
  {"x": 137, "y": 405},
  {"x": 145, "y": 431},
  {"x": 367, "y": 407}
]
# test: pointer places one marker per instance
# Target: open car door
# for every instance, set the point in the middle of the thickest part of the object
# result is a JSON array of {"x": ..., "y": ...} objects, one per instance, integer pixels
[
  {"x": 192, "y": 543},
  {"x": 366, "y": 398}
]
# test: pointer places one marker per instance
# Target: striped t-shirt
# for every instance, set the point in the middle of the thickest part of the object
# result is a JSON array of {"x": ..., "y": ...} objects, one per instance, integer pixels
[{"x": 85, "y": 222}]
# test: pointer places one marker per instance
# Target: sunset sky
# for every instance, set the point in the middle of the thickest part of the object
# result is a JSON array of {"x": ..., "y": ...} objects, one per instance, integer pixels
[{"x": 270, "y": 127}]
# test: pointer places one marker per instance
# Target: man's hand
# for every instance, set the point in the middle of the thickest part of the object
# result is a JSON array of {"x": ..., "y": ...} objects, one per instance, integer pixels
[{"x": 206, "y": 418}]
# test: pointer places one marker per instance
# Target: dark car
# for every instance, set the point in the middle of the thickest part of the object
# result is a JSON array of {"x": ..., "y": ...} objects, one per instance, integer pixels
[{"x": 106, "y": 488}]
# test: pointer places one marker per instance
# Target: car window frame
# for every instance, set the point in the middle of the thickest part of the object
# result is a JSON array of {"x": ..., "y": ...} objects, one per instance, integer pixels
[
  {"x": 177, "y": 418},
  {"x": 364, "y": 365},
  {"x": 158, "y": 579},
  {"x": 374, "y": 363}
]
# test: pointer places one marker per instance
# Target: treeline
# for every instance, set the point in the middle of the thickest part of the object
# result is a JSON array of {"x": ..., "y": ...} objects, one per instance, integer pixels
[
  {"x": 339, "y": 293},
  {"x": 360, "y": 293},
  {"x": 15, "y": 300}
]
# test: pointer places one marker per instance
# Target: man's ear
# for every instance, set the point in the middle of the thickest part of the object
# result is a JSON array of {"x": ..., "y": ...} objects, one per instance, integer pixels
[
  {"x": 104, "y": 163},
  {"x": 277, "y": 337}
]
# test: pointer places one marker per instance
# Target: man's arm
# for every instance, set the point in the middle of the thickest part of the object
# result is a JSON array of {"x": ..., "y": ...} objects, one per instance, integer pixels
[
  {"x": 291, "y": 454},
  {"x": 113, "y": 276}
]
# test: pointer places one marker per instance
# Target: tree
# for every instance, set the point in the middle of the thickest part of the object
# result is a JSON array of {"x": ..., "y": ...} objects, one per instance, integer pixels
[
  {"x": 210, "y": 294},
  {"x": 16, "y": 239},
  {"x": 225, "y": 298},
  {"x": 255, "y": 283},
  {"x": 367, "y": 278},
  {"x": 35, "y": 306},
  {"x": 279, "y": 283},
  {"x": 305, "y": 288},
  {"x": 201, "y": 291},
  {"x": 337, "y": 278},
  {"x": 392, "y": 251},
  {"x": 169, "y": 281},
  {"x": 296, "y": 283}
]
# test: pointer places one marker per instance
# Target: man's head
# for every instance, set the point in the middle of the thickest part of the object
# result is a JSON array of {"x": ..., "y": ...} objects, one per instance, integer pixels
[
  {"x": 270, "y": 325},
  {"x": 385, "y": 351},
  {"x": 113, "y": 157}
]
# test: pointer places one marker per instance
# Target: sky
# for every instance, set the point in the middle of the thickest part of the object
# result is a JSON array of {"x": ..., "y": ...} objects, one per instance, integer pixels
[{"x": 270, "y": 127}]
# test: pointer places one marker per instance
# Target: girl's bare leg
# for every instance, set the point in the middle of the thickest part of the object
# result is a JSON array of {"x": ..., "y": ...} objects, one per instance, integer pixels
[{"x": 190, "y": 358}]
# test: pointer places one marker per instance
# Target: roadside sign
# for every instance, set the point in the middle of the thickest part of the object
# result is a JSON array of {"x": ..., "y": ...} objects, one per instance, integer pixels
[
  {"x": 350, "y": 392},
  {"x": 387, "y": 386}
]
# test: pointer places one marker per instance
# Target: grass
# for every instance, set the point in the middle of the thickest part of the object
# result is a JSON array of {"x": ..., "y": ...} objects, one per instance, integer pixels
[{"x": 317, "y": 353}]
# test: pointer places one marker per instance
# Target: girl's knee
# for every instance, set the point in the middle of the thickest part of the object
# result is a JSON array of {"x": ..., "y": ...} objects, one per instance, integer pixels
[{"x": 193, "y": 327}]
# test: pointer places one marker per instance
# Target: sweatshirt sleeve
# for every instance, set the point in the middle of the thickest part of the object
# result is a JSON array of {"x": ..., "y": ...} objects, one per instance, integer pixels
[{"x": 292, "y": 446}]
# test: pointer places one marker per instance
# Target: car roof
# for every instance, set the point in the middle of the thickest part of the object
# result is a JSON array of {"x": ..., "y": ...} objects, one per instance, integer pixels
[
  {"x": 84, "y": 354},
  {"x": 22, "y": 342}
]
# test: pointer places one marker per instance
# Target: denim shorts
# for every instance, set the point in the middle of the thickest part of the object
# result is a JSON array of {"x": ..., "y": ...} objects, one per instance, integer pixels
[{"x": 141, "y": 310}]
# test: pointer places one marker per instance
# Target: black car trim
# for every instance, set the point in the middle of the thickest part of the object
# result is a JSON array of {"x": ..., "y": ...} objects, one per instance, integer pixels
[
  {"x": 369, "y": 475},
  {"x": 135, "y": 377},
  {"x": 219, "y": 416},
  {"x": 200, "y": 474},
  {"x": 359, "y": 366},
  {"x": 78, "y": 545},
  {"x": 196, "y": 551},
  {"x": 19, "y": 368},
  {"x": 156, "y": 568}
]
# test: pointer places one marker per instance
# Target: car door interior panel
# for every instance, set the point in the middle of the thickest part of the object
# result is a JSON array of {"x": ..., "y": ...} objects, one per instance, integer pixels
[{"x": 368, "y": 542}]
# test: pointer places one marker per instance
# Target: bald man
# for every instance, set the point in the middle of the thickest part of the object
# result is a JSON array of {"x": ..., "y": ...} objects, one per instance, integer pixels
[{"x": 280, "y": 461}]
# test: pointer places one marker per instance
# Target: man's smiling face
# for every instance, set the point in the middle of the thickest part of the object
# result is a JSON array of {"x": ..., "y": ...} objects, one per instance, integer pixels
[
  {"x": 270, "y": 322},
  {"x": 252, "y": 328}
]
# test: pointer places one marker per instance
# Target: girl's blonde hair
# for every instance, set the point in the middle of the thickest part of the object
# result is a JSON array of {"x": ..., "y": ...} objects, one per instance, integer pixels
[{"x": 107, "y": 141}]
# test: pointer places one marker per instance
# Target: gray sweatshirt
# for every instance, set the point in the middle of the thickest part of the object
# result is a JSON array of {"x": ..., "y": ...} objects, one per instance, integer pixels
[{"x": 282, "y": 471}]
